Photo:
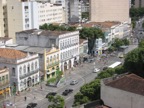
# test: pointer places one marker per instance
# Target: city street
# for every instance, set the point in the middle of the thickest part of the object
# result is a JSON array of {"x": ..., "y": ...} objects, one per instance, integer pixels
[{"x": 83, "y": 73}]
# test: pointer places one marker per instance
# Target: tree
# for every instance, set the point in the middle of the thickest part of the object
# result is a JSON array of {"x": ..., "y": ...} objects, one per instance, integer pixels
[
  {"x": 141, "y": 44},
  {"x": 143, "y": 25},
  {"x": 85, "y": 15},
  {"x": 134, "y": 61},
  {"x": 125, "y": 41},
  {"x": 79, "y": 99},
  {"x": 57, "y": 102},
  {"x": 133, "y": 24},
  {"x": 91, "y": 34}
]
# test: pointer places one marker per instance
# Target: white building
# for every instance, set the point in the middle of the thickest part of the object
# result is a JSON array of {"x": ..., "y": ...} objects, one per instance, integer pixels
[
  {"x": 5, "y": 41},
  {"x": 29, "y": 14},
  {"x": 23, "y": 68},
  {"x": 66, "y": 41},
  {"x": 123, "y": 91}
]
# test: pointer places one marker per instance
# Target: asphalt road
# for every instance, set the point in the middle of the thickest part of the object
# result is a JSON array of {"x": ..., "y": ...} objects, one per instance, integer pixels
[{"x": 83, "y": 73}]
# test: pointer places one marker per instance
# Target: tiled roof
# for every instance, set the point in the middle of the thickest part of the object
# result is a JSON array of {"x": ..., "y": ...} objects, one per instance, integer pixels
[
  {"x": 131, "y": 83},
  {"x": 11, "y": 54},
  {"x": 106, "y": 24}
]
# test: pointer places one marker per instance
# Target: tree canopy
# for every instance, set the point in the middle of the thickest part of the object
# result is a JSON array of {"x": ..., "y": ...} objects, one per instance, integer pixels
[
  {"x": 57, "y": 27},
  {"x": 91, "y": 34},
  {"x": 134, "y": 61},
  {"x": 57, "y": 101}
]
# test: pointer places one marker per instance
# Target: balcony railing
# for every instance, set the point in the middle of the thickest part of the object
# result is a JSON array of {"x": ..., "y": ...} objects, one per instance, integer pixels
[
  {"x": 4, "y": 84},
  {"x": 29, "y": 74},
  {"x": 52, "y": 64}
]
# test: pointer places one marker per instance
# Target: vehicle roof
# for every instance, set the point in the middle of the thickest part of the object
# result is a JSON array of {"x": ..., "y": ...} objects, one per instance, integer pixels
[{"x": 115, "y": 64}]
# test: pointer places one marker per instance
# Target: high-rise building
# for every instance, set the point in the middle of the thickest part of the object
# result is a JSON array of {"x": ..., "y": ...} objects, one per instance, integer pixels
[
  {"x": 73, "y": 10},
  {"x": 109, "y": 10},
  {"x": 29, "y": 14},
  {"x": 3, "y": 18}
]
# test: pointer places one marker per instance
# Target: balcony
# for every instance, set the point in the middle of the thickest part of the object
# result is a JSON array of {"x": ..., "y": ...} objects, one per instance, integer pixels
[
  {"x": 52, "y": 64},
  {"x": 29, "y": 74},
  {"x": 4, "y": 84}
]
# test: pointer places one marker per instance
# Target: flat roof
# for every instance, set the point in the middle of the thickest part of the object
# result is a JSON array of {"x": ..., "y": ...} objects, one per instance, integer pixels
[{"x": 32, "y": 49}]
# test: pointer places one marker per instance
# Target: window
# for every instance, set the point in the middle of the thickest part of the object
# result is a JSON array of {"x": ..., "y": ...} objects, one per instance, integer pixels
[
  {"x": 6, "y": 77},
  {"x": 32, "y": 66},
  {"x": 57, "y": 56},
  {"x": 20, "y": 70},
  {"x": 13, "y": 71},
  {"x": 50, "y": 58},
  {"x": 28, "y": 68},
  {"x": 54, "y": 57},
  {"x": 3, "y": 78},
  {"x": 36, "y": 65},
  {"x": 24, "y": 69}
]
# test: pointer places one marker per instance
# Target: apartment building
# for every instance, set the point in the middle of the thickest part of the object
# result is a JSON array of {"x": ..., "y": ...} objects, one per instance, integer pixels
[
  {"x": 4, "y": 83},
  {"x": 66, "y": 41},
  {"x": 23, "y": 68},
  {"x": 3, "y": 19},
  {"x": 29, "y": 14},
  {"x": 138, "y": 3},
  {"x": 109, "y": 10}
]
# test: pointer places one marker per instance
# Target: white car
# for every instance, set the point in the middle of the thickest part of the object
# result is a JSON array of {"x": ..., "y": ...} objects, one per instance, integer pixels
[
  {"x": 96, "y": 70},
  {"x": 74, "y": 82}
]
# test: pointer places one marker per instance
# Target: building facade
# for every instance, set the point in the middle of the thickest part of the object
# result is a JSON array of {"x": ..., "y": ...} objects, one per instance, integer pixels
[
  {"x": 4, "y": 83},
  {"x": 51, "y": 62},
  {"x": 23, "y": 68},
  {"x": 123, "y": 91},
  {"x": 112, "y": 10},
  {"x": 138, "y": 3},
  {"x": 3, "y": 18},
  {"x": 66, "y": 41},
  {"x": 28, "y": 14}
]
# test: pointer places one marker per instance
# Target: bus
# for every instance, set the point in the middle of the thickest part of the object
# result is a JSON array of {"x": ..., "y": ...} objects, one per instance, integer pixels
[{"x": 115, "y": 64}]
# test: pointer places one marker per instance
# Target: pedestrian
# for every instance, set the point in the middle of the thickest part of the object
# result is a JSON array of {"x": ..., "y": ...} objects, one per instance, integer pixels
[
  {"x": 34, "y": 97},
  {"x": 25, "y": 98}
]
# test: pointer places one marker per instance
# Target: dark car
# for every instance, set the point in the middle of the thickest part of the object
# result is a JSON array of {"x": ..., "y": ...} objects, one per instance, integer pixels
[
  {"x": 31, "y": 105},
  {"x": 67, "y": 91},
  {"x": 105, "y": 68},
  {"x": 51, "y": 94}
]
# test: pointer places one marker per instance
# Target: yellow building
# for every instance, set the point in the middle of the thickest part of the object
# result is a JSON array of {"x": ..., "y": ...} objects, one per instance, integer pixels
[
  {"x": 51, "y": 62},
  {"x": 4, "y": 83}
]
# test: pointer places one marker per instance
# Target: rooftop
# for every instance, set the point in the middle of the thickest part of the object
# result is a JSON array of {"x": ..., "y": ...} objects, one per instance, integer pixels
[
  {"x": 131, "y": 83},
  {"x": 106, "y": 24},
  {"x": 11, "y": 53},
  {"x": 5, "y": 38},
  {"x": 31, "y": 49},
  {"x": 82, "y": 40},
  {"x": 44, "y": 32}
]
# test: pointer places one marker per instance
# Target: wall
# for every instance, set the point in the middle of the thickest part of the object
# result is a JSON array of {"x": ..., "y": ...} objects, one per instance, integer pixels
[
  {"x": 117, "y": 98},
  {"x": 109, "y": 10}
]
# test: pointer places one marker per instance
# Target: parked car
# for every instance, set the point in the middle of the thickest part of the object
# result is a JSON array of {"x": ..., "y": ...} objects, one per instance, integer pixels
[
  {"x": 31, "y": 105},
  {"x": 74, "y": 82},
  {"x": 96, "y": 70},
  {"x": 51, "y": 94},
  {"x": 67, "y": 91}
]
